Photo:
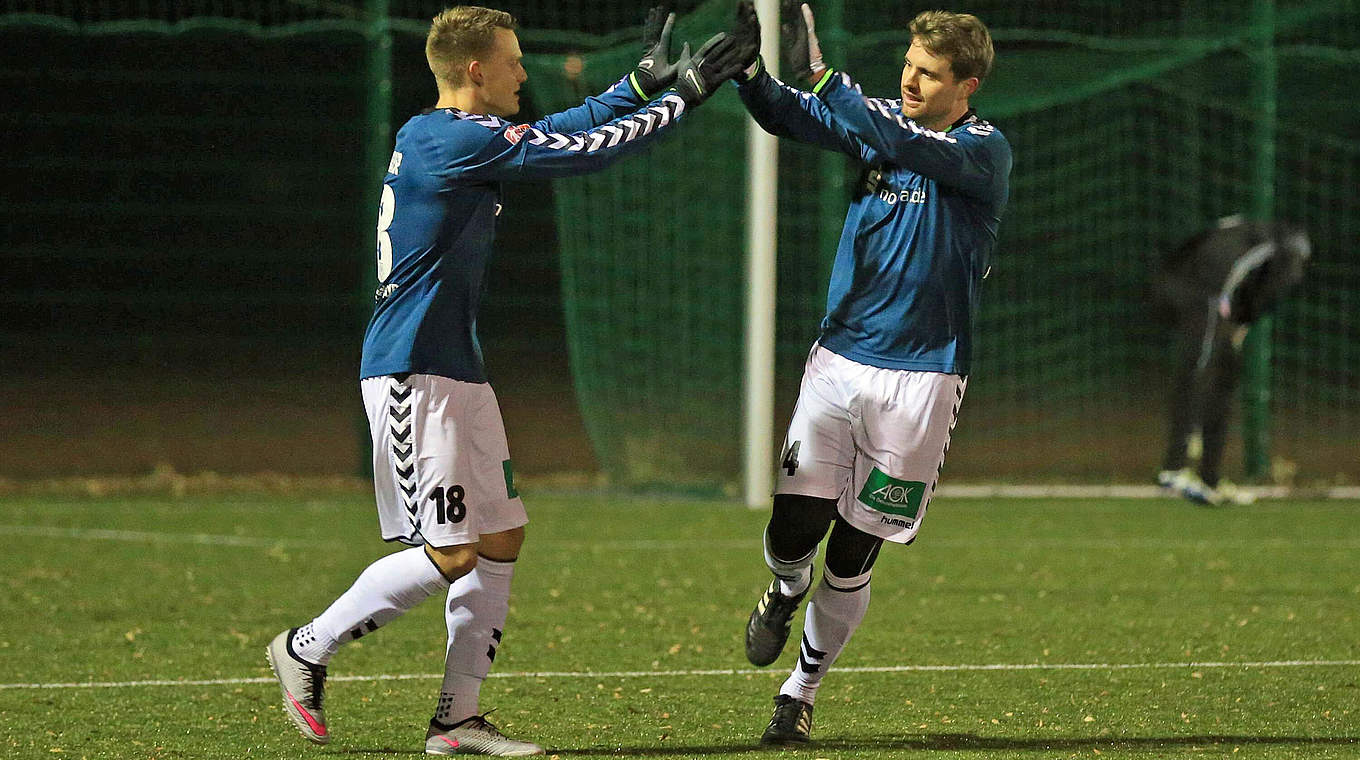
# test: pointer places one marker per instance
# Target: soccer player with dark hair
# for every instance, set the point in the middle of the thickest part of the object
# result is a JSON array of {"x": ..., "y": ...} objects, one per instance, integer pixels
[
  {"x": 1215, "y": 285},
  {"x": 441, "y": 464},
  {"x": 882, "y": 385}
]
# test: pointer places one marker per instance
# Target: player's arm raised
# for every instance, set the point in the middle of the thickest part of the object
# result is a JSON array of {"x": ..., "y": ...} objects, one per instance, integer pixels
[
  {"x": 970, "y": 162},
  {"x": 786, "y": 111},
  {"x": 524, "y": 150},
  {"x": 964, "y": 159},
  {"x": 653, "y": 75}
]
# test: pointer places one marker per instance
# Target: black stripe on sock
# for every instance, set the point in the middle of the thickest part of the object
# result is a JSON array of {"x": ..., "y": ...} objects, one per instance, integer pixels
[{"x": 845, "y": 590}]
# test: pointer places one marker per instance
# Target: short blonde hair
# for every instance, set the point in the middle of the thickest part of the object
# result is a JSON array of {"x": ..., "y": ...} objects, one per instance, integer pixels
[
  {"x": 960, "y": 37},
  {"x": 460, "y": 35}
]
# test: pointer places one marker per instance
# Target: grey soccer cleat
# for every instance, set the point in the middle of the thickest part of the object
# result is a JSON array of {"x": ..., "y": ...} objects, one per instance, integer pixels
[
  {"x": 790, "y": 724},
  {"x": 475, "y": 736},
  {"x": 768, "y": 629},
  {"x": 1170, "y": 480},
  {"x": 303, "y": 685},
  {"x": 1188, "y": 485},
  {"x": 1231, "y": 493}
]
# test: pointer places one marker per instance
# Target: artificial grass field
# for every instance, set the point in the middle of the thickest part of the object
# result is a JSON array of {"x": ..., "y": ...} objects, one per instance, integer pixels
[{"x": 1023, "y": 628}]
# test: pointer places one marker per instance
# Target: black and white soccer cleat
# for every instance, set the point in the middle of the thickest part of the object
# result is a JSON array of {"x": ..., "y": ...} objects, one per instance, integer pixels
[
  {"x": 791, "y": 723},
  {"x": 768, "y": 629}
]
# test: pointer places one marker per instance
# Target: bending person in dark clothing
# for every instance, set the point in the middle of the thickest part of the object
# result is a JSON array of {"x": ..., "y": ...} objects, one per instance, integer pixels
[{"x": 1218, "y": 283}]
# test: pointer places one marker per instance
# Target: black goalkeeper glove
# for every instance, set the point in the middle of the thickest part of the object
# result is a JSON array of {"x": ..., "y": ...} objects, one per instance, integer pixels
[
  {"x": 798, "y": 41},
  {"x": 655, "y": 72},
  {"x": 747, "y": 33},
  {"x": 720, "y": 59}
]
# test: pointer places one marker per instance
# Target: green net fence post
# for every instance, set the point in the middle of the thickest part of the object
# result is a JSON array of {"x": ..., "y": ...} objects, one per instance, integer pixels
[
  {"x": 1256, "y": 386},
  {"x": 377, "y": 150}
]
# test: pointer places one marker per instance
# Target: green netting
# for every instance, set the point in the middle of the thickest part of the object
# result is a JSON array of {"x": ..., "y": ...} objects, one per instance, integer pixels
[
  {"x": 1133, "y": 125},
  {"x": 206, "y": 125}
]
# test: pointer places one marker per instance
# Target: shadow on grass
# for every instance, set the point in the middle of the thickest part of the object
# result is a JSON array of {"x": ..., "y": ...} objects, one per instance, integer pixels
[{"x": 965, "y": 742}]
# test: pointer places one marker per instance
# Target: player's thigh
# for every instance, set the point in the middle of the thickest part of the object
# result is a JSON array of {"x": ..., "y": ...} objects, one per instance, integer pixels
[
  {"x": 453, "y": 561},
  {"x": 502, "y": 546},
  {"x": 489, "y": 474},
  {"x": 901, "y": 436},
  {"x": 440, "y": 460},
  {"x": 818, "y": 451}
]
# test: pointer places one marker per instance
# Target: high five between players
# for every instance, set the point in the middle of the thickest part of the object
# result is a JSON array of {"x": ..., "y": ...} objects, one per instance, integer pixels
[{"x": 880, "y": 390}]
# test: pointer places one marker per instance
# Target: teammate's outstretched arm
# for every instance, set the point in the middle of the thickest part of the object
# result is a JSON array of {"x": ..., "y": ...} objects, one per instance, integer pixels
[
  {"x": 786, "y": 111},
  {"x": 509, "y": 151},
  {"x": 653, "y": 75}
]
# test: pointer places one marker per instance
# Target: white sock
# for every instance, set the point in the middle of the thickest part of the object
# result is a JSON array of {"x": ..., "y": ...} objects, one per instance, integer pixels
[
  {"x": 383, "y": 591},
  {"x": 794, "y": 577},
  {"x": 833, "y": 614},
  {"x": 478, "y": 604}
]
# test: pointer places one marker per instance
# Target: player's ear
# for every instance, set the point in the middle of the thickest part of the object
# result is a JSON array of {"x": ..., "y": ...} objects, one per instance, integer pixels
[
  {"x": 970, "y": 86},
  {"x": 474, "y": 72}
]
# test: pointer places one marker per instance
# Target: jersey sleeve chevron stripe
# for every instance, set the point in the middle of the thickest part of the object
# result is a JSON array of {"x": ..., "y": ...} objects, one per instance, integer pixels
[
  {"x": 639, "y": 124},
  {"x": 962, "y": 159},
  {"x": 892, "y": 109}
]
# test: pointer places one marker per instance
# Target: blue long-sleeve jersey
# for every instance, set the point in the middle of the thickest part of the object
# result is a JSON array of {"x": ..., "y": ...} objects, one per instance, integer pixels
[
  {"x": 437, "y": 217},
  {"x": 920, "y": 232}
]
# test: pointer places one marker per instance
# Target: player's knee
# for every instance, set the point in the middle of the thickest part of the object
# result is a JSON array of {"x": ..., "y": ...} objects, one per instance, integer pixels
[
  {"x": 798, "y": 523},
  {"x": 503, "y": 546},
  {"x": 453, "y": 561},
  {"x": 850, "y": 552}
]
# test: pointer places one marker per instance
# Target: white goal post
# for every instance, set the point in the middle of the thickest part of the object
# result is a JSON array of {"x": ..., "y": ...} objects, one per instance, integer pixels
[{"x": 762, "y": 211}]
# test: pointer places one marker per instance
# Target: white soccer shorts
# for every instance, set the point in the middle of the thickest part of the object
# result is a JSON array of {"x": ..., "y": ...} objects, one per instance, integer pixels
[
  {"x": 872, "y": 439},
  {"x": 441, "y": 465}
]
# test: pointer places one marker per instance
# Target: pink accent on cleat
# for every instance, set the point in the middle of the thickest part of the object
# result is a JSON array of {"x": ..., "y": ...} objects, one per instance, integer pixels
[
  {"x": 317, "y": 727},
  {"x": 301, "y": 683}
]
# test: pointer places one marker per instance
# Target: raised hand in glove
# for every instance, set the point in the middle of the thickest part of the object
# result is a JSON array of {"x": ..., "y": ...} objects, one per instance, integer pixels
[
  {"x": 747, "y": 33},
  {"x": 655, "y": 72},
  {"x": 798, "y": 41},
  {"x": 721, "y": 58}
]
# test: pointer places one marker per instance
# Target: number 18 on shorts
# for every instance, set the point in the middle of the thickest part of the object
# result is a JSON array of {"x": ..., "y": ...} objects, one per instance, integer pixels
[{"x": 441, "y": 465}]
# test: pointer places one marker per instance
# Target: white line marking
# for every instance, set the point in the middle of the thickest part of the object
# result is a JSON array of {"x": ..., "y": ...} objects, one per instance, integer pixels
[
  {"x": 209, "y": 539},
  {"x": 105, "y": 534},
  {"x": 718, "y": 672},
  {"x": 977, "y": 491},
  {"x": 1115, "y": 544}
]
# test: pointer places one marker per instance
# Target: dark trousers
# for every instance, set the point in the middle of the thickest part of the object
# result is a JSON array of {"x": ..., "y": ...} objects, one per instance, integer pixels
[{"x": 1208, "y": 365}]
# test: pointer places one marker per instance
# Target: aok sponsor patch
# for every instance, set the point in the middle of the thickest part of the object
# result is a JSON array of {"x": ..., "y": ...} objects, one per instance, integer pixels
[
  {"x": 897, "y": 497},
  {"x": 513, "y": 134}
]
